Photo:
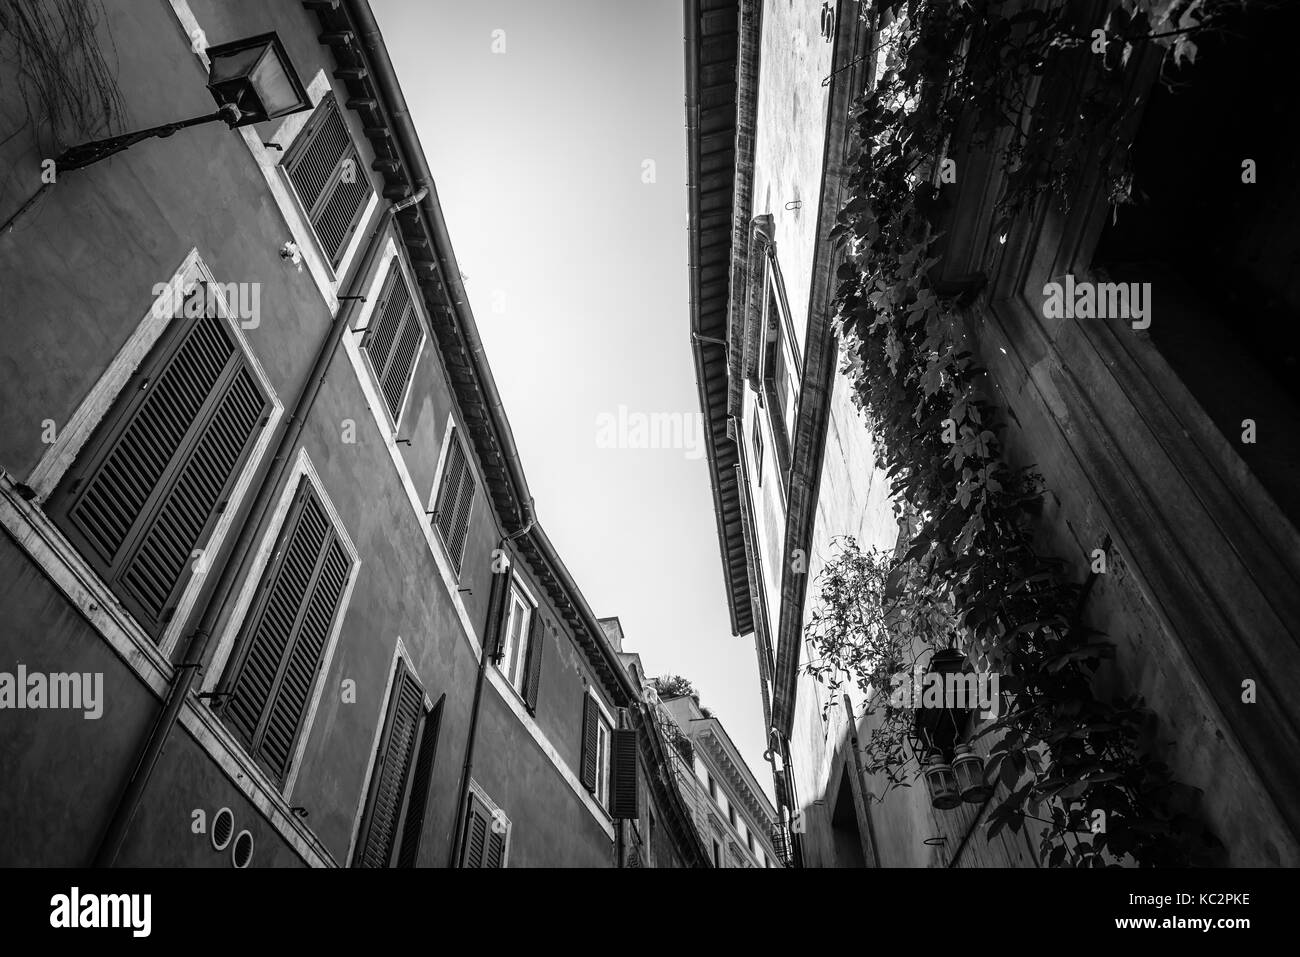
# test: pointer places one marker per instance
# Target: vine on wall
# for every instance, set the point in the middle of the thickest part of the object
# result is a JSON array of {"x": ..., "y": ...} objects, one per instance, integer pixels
[{"x": 1069, "y": 759}]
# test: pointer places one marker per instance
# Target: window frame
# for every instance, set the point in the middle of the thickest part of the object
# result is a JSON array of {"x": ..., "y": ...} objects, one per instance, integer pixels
[
  {"x": 495, "y": 812},
  {"x": 452, "y": 434},
  {"x": 328, "y": 103},
  {"x": 605, "y": 725},
  {"x": 366, "y": 323},
  {"x": 102, "y": 416},
  {"x": 215, "y": 673},
  {"x": 514, "y": 656},
  {"x": 779, "y": 360}
]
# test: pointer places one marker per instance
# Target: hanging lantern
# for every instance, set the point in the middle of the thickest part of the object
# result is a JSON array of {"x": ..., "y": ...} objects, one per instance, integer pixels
[
  {"x": 941, "y": 782},
  {"x": 968, "y": 767}
]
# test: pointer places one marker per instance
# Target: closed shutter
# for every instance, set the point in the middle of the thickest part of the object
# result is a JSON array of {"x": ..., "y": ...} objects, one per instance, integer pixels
[
  {"x": 392, "y": 773},
  {"x": 483, "y": 846},
  {"x": 394, "y": 341},
  {"x": 533, "y": 664},
  {"x": 413, "y": 830},
  {"x": 282, "y": 644},
  {"x": 152, "y": 489},
  {"x": 623, "y": 774},
  {"x": 590, "y": 741},
  {"x": 455, "y": 500},
  {"x": 325, "y": 168}
]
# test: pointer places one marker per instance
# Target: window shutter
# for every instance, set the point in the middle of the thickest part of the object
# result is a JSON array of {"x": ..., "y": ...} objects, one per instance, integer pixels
[
  {"x": 455, "y": 499},
  {"x": 413, "y": 830},
  {"x": 533, "y": 665},
  {"x": 590, "y": 741},
  {"x": 496, "y": 849},
  {"x": 284, "y": 639},
  {"x": 498, "y": 613},
  {"x": 325, "y": 168},
  {"x": 395, "y": 340},
  {"x": 392, "y": 773},
  {"x": 478, "y": 825},
  {"x": 154, "y": 487},
  {"x": 623, "y": 774}
]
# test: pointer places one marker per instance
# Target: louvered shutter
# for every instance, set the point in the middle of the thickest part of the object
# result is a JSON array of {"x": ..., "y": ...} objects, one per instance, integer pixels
[
  {"x": 283, "y": 641},
  {"x": 394, "y": 341},
  {"x": 533, "y": 664},
  {"x": 498, "y": 613},
  {"x": 325, "y": 168},
  {"x": 417, "y": 806},
  {"x": 590, "y": 741},
  {"x": 478, "y": 826},
  {"x": 455, "y": 499},
  {"x": 496, "y": 849},
  {"x": 152, "y": 489},
  {"x": 392, "y": 773},
  {"x": 623, "y": 774}
]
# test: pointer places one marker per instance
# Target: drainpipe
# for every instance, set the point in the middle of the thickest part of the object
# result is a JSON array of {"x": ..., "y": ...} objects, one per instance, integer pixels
[
  {"x": 197, "y": 644},
  {"x": 489, "y": 638}
]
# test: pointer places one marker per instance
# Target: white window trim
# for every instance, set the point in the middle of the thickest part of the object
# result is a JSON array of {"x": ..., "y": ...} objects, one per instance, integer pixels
[
  {"x": 303, "y": 468},
  {"x": 366, "y": 316},
  {"x": 74, "y": 435},
  {"x": 604, "y": 759},
  {"x": 495, "y": 812},
  {"x": 438, "y": 475},
  {"x": 514, "y": 674},
  {"x": 399, "y": 654}
]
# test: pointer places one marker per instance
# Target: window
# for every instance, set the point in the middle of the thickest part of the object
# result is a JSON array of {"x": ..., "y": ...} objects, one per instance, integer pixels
[
  {"x": 731, "y": 814},
  {"x": 325, "y": 169},
  {"x": 596, "y": 733},
  {"x": 521, "y": 653},
  {"x": 717, "y": 853},
  {"x": 713, "y": 786},
  {"x": 758, "y": 450},
  {"x": 454, "y": 501},
  {"x": 749, "y": 840},
  {"x": 487, "y": 832},
  {"x": 283, "y": 640},
  {"x": 780, "y": 382},
  {"x": 144, "y": 495},
  {"x": 399, "y": 784},
  {"x": 394, "y": 340}
]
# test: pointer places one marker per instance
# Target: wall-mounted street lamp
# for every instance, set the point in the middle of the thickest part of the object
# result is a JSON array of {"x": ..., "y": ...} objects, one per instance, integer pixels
[{"x": 252, "y": 81}]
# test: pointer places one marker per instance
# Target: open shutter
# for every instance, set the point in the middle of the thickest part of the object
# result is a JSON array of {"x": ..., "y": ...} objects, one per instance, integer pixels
[
  {"x": 496, "y": 849},
  {"x": 325, "y": 169},
  {"x": 623, "y": 774},
  {"x": 152, "y": 490},
  {"x": 478, "y": 825},
  {"x": 498, "y": 613},
  {"x": 590, "y": 741},
  {"x": 284, "y": 639},
  {"x": 417, "y": 806},
  {"x": 392, "y": 773},
  {"x": 455, "y": 499},
  {"x": 533, "y": 664}
]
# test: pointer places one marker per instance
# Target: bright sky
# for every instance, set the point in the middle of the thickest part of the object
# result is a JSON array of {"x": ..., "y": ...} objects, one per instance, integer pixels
[{"x": 576, "y": 271}]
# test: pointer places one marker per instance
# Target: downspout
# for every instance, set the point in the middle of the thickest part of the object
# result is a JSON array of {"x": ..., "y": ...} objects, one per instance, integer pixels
[
  {"x": 486, "y": 652},
  {"x": 196, "y": 645}
]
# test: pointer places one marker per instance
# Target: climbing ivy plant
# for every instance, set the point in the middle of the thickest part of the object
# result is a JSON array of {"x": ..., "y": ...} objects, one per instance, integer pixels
[{"x": 977, "y": 71}]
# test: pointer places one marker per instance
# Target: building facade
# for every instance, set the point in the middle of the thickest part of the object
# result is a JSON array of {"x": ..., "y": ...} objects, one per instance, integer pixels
[
  {"x": 274, "y": 590},
  {"x": 1141, "y": 436}
]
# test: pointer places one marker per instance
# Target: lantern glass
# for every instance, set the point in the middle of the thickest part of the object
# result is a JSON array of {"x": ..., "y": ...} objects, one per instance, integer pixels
[
  {"x": 255, "y": 75},
  {"x": 941, "y": 782},
  {"x": 968, "y": 768}
]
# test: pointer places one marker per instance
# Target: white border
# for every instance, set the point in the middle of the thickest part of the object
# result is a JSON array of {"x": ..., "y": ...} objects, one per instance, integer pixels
[
  {"x": 71, "y": 440},
  {"x": 438, "y": 476},
  {"x": 399, "y": 654},
  {"x": 493, "y": 810},
  {"x": 303, "y": 468},
  {"x": 366, "y": 315}
]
